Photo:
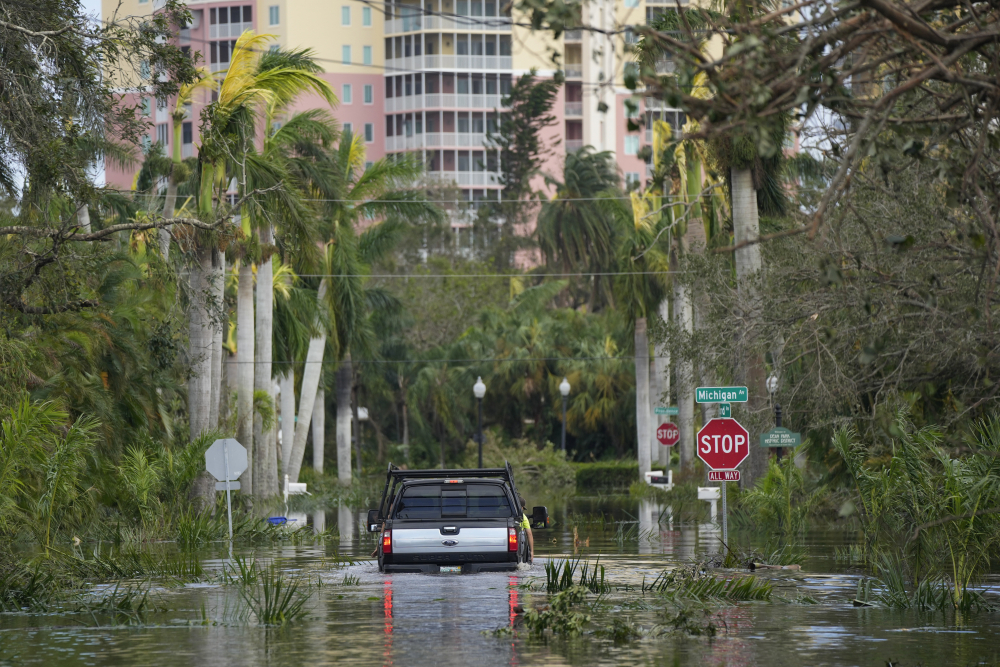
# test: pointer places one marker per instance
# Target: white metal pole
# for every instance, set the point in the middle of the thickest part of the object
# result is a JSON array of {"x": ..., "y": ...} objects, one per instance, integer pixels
[
  {"x": 229, "y": 503},
  {"x": 725, "y": 518}
]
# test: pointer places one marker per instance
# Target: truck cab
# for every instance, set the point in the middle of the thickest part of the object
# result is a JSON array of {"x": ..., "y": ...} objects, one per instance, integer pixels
[{"x": 471, "y": 519}]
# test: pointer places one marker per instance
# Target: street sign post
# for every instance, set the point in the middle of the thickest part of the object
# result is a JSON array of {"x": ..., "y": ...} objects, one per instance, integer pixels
[
  {"x": 668, "y": 434},
  {"x": 665, "y": 411},
  {"x": 723, "y": 444},
  {"x": 725, "y": 410},
  {"x": 721, "y": 395},
  {"x": 780, "y": 437},
  {"x": 226, "y": 460}
]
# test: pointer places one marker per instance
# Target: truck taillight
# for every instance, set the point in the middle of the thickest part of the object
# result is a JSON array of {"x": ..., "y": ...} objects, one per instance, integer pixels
[
  {"x": 511, "y": 539},
  {"x": 387, "y": 542}
]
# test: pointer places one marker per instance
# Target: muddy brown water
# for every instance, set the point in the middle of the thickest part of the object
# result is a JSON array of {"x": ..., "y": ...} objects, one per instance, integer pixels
[{"x": 449, "y": 619}]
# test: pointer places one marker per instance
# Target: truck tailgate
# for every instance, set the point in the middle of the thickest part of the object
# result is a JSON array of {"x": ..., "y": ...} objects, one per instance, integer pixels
[{"x": 431, "y": 540}]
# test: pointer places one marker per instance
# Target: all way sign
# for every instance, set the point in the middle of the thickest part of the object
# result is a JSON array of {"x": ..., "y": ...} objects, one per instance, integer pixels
[
  {"x": 723, "y": 475},
  {"x": 721, "y": 395}
]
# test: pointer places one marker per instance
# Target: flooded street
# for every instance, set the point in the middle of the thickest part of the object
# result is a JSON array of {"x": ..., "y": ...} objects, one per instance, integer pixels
[{"x": 357, "y": 616}]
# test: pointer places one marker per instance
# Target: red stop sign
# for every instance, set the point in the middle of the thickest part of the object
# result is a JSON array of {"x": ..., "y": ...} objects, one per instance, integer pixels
[
  {"x": 723, "y": 444},
  {"x": 668, "y": 434}
]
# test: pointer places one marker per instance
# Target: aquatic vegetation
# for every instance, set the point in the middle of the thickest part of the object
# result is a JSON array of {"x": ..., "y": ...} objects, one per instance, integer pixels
[
  {"x": 26, "y": 589},
  {"x": 274, "y": 598},
  {"x": 559, "y": 576},
  {"x": 687, "y": 584},
  {"x": 559, "y": 619},
  {"x": 128, "y": 605},
  {"x": 620, "y": 631},
  {"x": 938, "y": 512},
  {"x": 691, "y": 619}
]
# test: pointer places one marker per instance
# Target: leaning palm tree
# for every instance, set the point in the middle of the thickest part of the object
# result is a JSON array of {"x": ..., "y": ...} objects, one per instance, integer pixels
[{"x": 383, "y": 191}]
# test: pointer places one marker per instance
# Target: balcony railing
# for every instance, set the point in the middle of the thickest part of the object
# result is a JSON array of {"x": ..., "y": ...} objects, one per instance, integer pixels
[
  {"x": 438, "y": 140},
  {"x": 447, "y": 62},
  {"x": 480, "y": 178},
  {"x": 573, "y": 70},
  {"x": 442, "y": 101},
  {"x": 573, "y": 145},
  {"x": 221, "y": 30},
  {"x": 574, "y": 109},
  {"x": 462, "y": 23}
]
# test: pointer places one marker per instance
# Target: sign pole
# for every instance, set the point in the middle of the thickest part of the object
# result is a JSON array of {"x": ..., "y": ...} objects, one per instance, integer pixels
[
  {"x": 725, "y": 518},
  {"x": 777, "y": 423},
  {"x": 229, "y": 503}
]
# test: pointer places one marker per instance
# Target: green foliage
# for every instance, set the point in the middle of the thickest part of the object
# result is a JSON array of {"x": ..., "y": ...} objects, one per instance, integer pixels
[
  {"x": 24, "y": 588},
  {"x": 605, "y": 476},
  {"x": 938, "y": 513},
  {"x": 274, "y": 598},
  {"x": 621, "y": 630},
  {"x": 684, "y": 584},
  {"x": 782, "y": 499},
  {"x": 559, "y": 619}
]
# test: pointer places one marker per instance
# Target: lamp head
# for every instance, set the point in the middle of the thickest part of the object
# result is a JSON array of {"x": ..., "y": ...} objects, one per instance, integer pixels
[
  {"x": 479, "y": 389},
  {"x": 564, "y": 387},
  {"x": 772, "y": 384}
]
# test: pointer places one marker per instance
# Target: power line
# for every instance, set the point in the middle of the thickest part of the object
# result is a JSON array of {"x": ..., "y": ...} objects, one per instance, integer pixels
[
  {"x": 500, "y": 276},
  {"x": 326, "y": 362}
]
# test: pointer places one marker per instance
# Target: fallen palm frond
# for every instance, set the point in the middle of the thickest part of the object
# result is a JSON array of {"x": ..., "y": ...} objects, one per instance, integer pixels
[{"x": 683, "y": 584}]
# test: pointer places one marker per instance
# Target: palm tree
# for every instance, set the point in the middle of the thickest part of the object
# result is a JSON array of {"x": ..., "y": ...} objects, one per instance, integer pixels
[
  {"x": 572, "y": 231},
  {"x": 382, "y": 191},
  {"x": 252, "y": 84}
]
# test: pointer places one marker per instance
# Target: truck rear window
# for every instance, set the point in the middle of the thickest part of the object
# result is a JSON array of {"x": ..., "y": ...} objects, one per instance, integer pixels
[{"x": 466, "y": 501}]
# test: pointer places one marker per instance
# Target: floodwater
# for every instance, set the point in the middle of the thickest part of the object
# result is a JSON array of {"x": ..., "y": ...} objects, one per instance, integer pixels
[{"x": 361, "y": 617}]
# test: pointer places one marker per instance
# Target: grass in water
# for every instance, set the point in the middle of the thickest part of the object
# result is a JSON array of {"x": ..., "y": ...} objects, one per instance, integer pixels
[{"x": 274, "y": 598}]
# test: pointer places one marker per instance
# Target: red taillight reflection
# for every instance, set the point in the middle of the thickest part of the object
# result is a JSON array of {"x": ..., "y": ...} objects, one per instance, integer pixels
[
  {"x": 511, "y": 539},
  {"x": 387, "y": 542}
]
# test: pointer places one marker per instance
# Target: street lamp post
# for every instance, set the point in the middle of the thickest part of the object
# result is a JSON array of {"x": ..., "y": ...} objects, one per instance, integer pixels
[
  {"x": 564, "y": 390},
  {"x": 772, "y": 387},
  {"x": 479, "y": 389}
]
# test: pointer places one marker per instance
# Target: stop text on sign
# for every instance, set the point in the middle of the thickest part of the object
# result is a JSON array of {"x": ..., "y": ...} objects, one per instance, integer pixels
[
  {"x": 723, "y": 475},
  {"x": 668, "y": 434},
  {"x": 723, "y": 444}
]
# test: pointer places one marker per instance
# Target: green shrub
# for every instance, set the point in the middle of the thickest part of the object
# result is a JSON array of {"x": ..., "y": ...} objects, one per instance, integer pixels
[{"x": 605, "y": 476}]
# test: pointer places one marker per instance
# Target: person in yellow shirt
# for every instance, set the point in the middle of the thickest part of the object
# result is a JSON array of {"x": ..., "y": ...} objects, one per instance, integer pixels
[{"x": 527, "y": 527}]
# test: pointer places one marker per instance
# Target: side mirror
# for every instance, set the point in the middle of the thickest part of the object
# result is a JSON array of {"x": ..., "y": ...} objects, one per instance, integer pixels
[
  {"x": 373, "y": 523},
  {"x": 539, "y": 517}
]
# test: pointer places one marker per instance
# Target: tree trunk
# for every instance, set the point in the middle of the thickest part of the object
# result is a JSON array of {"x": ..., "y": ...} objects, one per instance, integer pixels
[
  {"x": 244, "y": 388},
  {"x": 685, "y": 378},
  {"x": 319, "y": 430},
  {"x": 311, "y": 375},
  {"x": 750, "y": 363},
  {"x": 662, "y": 373},
  {"x": 642, "y": 395},
  {"x": 220, "y": 322},
  {"x": 200, "y": 358},
  {"x": 357, "y": 426},
  {"x": 83, "y": 218},
  {"x": 265, "y": 473},
  {"x": 287, "y": 416},
  {"x": 170, "y": 202},
  {"x": 344, "y": 375}
]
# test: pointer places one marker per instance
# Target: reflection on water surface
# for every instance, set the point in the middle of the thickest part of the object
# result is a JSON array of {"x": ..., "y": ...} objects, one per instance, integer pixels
[{"x": 449, "y": 619}]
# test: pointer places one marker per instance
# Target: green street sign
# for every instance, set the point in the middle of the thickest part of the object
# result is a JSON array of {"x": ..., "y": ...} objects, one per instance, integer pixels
[
  {"x": 721, "y": 395},
  {"x": 725, "y": 410},
  {"x": 780, "y": 437},
  {"x": 665, "y": 411}
]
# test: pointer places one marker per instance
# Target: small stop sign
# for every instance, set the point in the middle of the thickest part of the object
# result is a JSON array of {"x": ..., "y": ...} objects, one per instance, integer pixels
[
  {"x": 723, "y": 444},
  {"x": 668, "y": 434}
]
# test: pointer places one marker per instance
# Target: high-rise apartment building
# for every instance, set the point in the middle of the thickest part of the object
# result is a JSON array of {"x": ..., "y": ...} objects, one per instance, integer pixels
[{"x": 430, "y": 77}]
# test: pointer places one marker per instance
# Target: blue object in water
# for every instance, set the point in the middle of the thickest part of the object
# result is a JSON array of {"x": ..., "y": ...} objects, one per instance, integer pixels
[{"x": 277, "y": 520}]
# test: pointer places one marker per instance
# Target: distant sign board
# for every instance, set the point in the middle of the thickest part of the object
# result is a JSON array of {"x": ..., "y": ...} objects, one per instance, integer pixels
[
  {"x": 780, "y": 437},
  {"x": 668, "y": 434},
  {"x": 723, "y": 475},
  {"x": 721, "y": 395},
  {"x": 725, "y": 410},
  {"x": 665, "y": 411}
]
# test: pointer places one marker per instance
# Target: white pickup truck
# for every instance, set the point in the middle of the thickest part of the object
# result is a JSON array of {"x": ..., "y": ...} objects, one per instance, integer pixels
[{"x": 427, "y": 519}]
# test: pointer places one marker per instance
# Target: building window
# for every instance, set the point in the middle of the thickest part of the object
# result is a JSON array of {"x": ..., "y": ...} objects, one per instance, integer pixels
[
  {"x": 631, "y": 144},
  {"x": 631, "y": 179},
  {"x": 366, "y": 53},
  {"x": 274, "y": 15},
  {"x": 369, "y": 94},
  {"x": 345, "y": 15},
  {"x": 345, "y": 54},
  {"x": 146, "y": 143},
  {"x": 348, "y": 128},
  {"x": 162, "y": 134},
  {"x": 368, "y": 165},
  {"x": 146, "y": 106},
  {"x": 369, "y": 132},
  {"x": 632, "y": 3},
  {"x": 366, "y": 16},
  {"x": 348, "y": 97},
  {"x": 632, "y": 112},
  {"x": 187, "y": 133}
]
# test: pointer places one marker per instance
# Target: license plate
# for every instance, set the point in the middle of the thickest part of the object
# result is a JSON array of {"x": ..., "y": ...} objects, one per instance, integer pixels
[{"x": 451, "y": 568}]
